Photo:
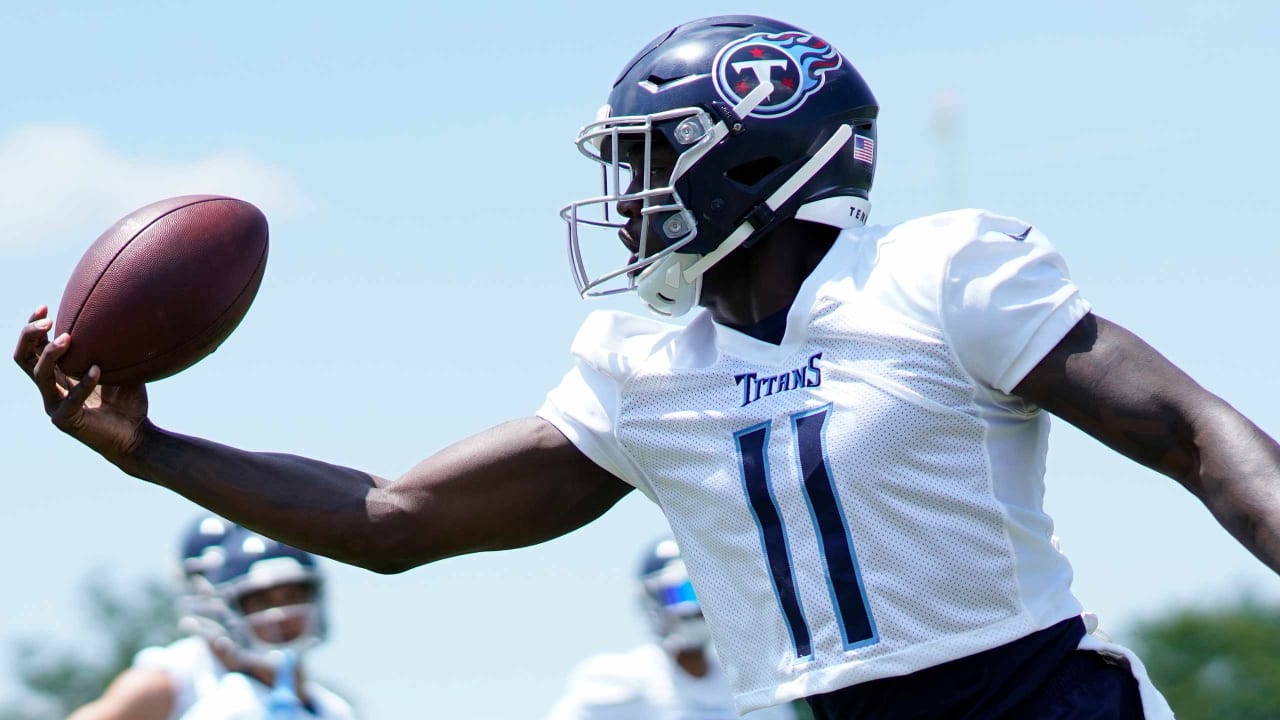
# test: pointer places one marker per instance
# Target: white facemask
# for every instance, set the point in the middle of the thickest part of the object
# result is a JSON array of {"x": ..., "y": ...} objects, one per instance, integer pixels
[{"x": 687, "y": 633}]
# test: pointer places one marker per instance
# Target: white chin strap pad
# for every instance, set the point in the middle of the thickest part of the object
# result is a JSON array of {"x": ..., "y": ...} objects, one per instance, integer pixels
[{"x": 663, "y": 286}]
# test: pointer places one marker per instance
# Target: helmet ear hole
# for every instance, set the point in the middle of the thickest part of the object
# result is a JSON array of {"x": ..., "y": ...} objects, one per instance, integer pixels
[{"x": 750, "y": 173}]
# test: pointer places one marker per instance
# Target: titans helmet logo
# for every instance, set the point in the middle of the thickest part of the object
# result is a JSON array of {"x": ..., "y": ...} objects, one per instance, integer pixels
[{"x": 796, "y": 63}]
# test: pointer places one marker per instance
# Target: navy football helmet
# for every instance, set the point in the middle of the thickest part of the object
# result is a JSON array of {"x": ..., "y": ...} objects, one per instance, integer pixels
[
  {"x": 200, "y": 547},
  {"x": 667, "y": 597},
  {"x": 768, "y": 122},
  {"x": 200, "y": 611},
  {"x": 253, "y": 564}
]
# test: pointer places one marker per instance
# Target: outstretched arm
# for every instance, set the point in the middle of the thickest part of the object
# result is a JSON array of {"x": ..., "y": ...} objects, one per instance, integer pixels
[
  {"x": 517, "y": 484},
  {"x": 514, "y": 485},
  {"x": 1112, "y": 385},
  {"x": 136, "y": 694}
]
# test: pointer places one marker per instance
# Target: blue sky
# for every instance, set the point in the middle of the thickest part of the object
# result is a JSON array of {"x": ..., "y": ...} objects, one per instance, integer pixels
[{"x": 411, "y": 160}]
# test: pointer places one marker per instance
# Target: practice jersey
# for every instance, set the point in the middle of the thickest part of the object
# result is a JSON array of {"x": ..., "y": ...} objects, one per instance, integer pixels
[
  {"x": 241, "y": 697},
  {"x": 204, "y": 690},
  {"x": 192, "y": 668},
  {"x": 864, "y": 499},
  {"x": 647, "y": 684}
]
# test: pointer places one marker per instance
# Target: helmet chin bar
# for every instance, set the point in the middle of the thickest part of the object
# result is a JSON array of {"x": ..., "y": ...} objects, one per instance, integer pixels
[
  {"x": 686, "y": 634},
  {"x": 663, "y": 287}
]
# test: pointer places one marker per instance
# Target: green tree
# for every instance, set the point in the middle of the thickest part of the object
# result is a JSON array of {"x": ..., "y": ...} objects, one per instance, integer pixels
[
  {"x": 56, "y": 680},
  {"x": 1214, "y": 663}
]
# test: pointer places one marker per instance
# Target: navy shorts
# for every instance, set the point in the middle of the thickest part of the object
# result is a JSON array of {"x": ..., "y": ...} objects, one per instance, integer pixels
[
  {"x": 1042, "y": 676},
  {"x": 1087, "y": 686}
]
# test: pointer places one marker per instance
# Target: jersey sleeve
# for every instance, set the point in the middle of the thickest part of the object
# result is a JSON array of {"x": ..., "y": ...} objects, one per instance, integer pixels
[
  {"x": 584, "y": 406},
  {"x": 170, "y": 660},
  {"x": 1007, "y": 300}
]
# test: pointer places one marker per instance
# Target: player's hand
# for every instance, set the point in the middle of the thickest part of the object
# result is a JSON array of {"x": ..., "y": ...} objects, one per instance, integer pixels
[{"x": 108, "y": 419}]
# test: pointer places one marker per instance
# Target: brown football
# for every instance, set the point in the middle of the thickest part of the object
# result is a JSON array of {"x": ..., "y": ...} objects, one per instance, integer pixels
[{"x": 162, "y": 288}]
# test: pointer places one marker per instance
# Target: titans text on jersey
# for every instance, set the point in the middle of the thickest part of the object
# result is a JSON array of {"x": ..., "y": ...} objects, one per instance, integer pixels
[{"x": 755, "y": 387}]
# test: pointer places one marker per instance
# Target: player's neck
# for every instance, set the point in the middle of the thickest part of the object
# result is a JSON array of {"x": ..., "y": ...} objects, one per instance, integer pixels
[
  {"x": 756, "y": 282},
  {"x": 693, "y": 662}
]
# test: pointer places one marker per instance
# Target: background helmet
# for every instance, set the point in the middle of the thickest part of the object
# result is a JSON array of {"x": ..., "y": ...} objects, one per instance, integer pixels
[
  {"x": 252, "y": 563},
  {"x": 770, "y": 123},
  {"x": 200, "y": 611},
  {"x": 668, "y": 599}
]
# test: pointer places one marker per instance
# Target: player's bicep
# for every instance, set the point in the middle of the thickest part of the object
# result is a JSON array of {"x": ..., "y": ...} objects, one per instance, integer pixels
[
  {"x": 137, "y": 694},
  {"x": 1118, "y": 389},
  {"x": 516, "y": 484}
]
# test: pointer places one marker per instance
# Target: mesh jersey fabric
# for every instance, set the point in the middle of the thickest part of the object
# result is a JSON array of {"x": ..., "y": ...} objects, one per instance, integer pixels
[
  {"x": 191, "y": 666},
  {"x": 864, "y": 499},
  {"x": 204, "y": 689}
]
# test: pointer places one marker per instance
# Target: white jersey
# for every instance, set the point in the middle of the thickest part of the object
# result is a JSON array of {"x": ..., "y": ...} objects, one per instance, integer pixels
[
  {"x": 647, "y": 684},
  {"x": 865, "y": 499},
  {"x": 204, "y": 690},
  {"x": 241, "y": 697},
  {"x": 193, "y": 670}
]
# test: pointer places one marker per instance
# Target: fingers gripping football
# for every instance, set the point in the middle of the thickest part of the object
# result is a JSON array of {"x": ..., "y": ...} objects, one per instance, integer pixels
[
  {"x": 63, "y": 403},
  {"x": 32, "y": 340},
  {"x": 109, "y": 420}
]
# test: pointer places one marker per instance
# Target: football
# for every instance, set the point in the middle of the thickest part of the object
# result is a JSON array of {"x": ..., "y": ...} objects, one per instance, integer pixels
[{"x": 162, "y": 288}]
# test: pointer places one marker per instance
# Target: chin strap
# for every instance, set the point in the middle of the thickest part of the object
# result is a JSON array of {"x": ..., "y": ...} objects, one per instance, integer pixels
[
  {"x": 666, "y": 286},
  {"x": 671, "y": 287},
  {"x": 662, "y": 286},
  {"x": 779, "y": 197}
]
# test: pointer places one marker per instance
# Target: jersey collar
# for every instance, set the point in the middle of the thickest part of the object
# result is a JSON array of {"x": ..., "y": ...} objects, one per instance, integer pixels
[{"x": 838, "y": 260}]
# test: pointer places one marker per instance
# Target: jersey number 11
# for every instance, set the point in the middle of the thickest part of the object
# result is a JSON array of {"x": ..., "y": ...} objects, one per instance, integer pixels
[{"x": 844, "y": 580}]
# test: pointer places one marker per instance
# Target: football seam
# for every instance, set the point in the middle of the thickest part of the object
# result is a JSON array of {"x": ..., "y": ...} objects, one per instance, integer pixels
[
  {"x": 203, "y": 333},
  {"x": 72, "y": 326}
]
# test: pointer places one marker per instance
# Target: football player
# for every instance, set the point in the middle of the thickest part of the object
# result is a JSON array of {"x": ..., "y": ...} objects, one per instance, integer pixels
[
  {"x": 848, "y": 438},
  {"x": 275, "y": 613},
  {"x": 251, "y": 606},
  {"x": 675, "y": 677}
]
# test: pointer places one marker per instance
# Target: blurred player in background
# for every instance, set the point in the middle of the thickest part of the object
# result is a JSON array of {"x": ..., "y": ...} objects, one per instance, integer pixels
[
  {"x": 849, "y": 438},
  {"x": 675, "y": 677},
  {"x": 251, "y": 606}
]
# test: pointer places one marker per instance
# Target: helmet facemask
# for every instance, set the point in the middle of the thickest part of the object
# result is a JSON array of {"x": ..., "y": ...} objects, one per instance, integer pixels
[
  {"x": 625, "y": 149},
  {"x": 668, "y": 280},
  {"x": 201, "y": 610},
  {"x": 267, "y": 627},
  {"x": 259, "y": 634}
]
